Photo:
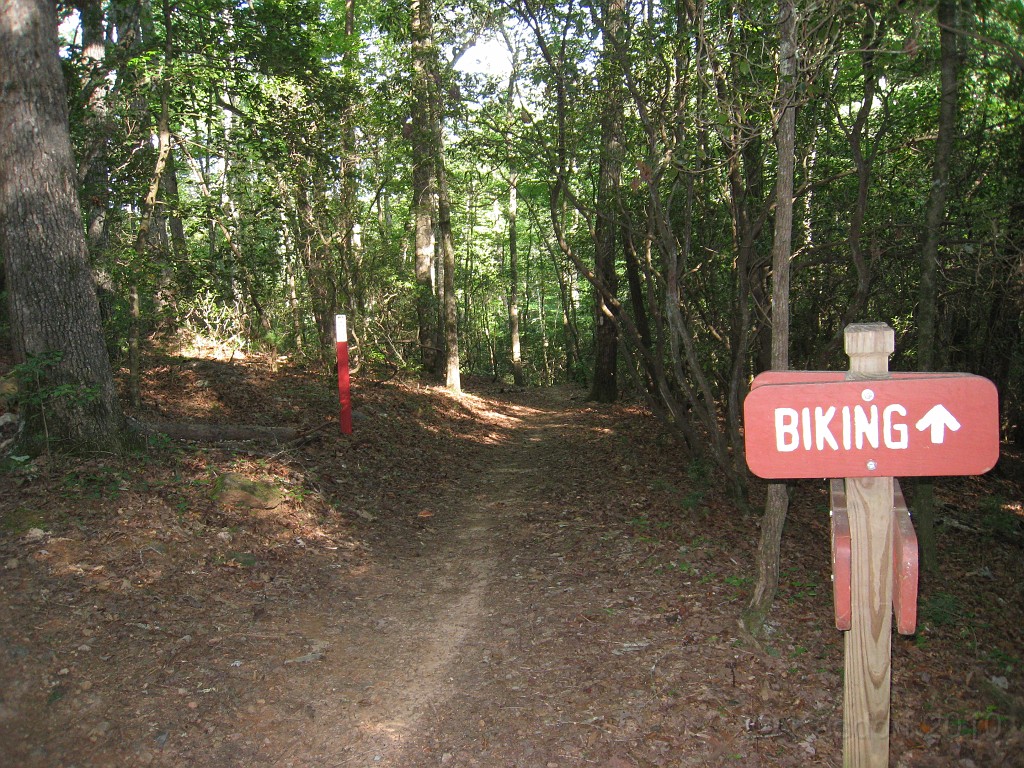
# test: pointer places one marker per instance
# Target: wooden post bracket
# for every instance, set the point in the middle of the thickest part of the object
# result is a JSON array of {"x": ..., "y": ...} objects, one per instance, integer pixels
[
  {"x": 905, "y": 565},
  {"x": 842, "y": 557}
]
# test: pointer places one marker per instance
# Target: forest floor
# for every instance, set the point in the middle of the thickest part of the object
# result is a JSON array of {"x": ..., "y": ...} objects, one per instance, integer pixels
[{"x": 502, "y": 579}]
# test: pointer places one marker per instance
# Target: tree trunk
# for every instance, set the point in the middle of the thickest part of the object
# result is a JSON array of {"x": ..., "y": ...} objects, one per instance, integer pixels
[
  {"x": 143, "y": 239},
  {"x": 423, "y": 181},
  {"x": 212, "y": 433},
  {"x": 544, "y": 342},
  {"x": 637, "y": 294},
  {"x": 570, "y": 338},
  {"x": 604, "y": 388},
  {"x": 321, "y": 279},
  {"x": 350, "y": 256},
  {"x": 169, "y": 175},
  {"x": 863, "y": 149},
  {"x": 513, "y": 283},
  {"x": 745, "y": 187},
  {"x": 94, "y": 171},
  {"x": 777, "y": 502},
  {"x": 53, "y": 310},
  {"x": 453, "y": 377},
  {"x": 927, "y": 306},
  {"x": 426, "y": 76}
]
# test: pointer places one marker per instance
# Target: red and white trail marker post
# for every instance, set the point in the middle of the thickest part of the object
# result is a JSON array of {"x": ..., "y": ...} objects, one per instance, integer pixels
[
  {"x": 868, "y": 426},
  {"x": 344, "y": 382}
]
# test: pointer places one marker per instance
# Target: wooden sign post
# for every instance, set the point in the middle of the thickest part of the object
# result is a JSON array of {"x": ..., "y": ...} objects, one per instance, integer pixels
[
  {"x": 868, "y": 643},
  {"x": 868, "y": 426},
  {"x": 344, "y": 381}
]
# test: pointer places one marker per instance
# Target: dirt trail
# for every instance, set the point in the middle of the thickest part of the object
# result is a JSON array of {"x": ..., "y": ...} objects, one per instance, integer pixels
[{"x": 401, "y": 650}]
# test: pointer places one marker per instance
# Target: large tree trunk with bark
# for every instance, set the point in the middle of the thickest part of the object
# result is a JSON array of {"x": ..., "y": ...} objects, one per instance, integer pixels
[{"x": 53, "y": 310}]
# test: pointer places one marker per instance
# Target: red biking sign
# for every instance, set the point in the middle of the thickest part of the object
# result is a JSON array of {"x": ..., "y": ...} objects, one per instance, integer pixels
[{"x": 820, "y": 424}]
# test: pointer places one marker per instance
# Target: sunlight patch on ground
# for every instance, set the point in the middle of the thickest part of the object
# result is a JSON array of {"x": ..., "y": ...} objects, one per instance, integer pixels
[
  {"x": 209, "y": 348},
  {"x": 394, "y": 730},
  {"x": 486, "y": 409},
  {"x": 481, "y": 408}
]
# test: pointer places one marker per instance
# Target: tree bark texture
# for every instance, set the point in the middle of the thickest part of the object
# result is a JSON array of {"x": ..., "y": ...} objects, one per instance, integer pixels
[{"x": 52, "y": 302}]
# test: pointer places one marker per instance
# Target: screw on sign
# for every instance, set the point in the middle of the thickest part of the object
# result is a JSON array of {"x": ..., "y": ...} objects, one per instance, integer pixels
[{"x": 868, "y": 426}]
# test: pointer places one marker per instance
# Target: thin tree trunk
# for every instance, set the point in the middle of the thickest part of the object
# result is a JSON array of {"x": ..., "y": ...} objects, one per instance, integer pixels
[
  {"x": 637, "y": 294},
  {"x": 604, "y": 388},
  {"x": 777, "y": 502},
  {"x": 569, "y": 339},
  {"x": 544, "y": 342},
  {"x": 513, "y": 282},
  {"x": 143, "y": 238},
  {"x": 453, "y": 377},
  {"x": 134, "y": 346},
  {"x": 927, "y": 307},
  {"x": 872, "y": 33},
  {"x": 94, "y": 171},
  {"x": 569, "y": 336},
  {"x": 350, "y": 251},
  {"x": 467, "y": 321}
]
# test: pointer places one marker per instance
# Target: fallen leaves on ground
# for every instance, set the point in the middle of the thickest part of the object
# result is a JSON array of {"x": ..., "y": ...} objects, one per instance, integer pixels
[{"x": 499, "y": 579}]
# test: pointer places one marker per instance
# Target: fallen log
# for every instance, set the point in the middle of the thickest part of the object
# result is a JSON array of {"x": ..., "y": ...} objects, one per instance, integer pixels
[{"x": 214, "y": 433}]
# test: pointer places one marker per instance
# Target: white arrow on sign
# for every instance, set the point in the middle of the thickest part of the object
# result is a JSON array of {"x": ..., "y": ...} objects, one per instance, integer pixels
[{"x": 937, "y": 420}]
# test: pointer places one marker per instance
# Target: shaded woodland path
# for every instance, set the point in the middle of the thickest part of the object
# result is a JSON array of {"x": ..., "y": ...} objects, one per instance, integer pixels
[
  {"x": 431, "y": 663},
  {"x": 506, "y": 581},
  {"x": 527, "y": 620}
]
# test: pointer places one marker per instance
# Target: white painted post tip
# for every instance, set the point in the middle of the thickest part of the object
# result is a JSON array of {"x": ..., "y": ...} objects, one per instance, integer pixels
[{"x": 340, "y": 329}]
